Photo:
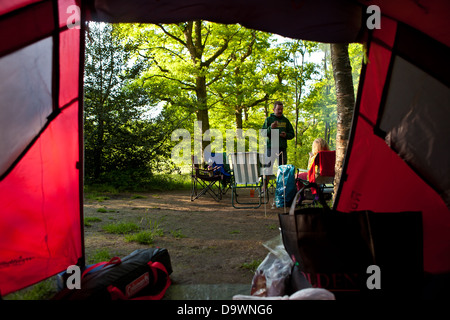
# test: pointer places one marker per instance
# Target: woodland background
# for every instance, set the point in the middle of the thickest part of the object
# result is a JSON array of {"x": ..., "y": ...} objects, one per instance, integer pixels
[{"x": 143, "y": 81}]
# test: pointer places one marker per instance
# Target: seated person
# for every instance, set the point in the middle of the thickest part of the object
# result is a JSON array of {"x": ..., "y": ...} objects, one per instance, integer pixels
[{"x": 318, "y": 145}]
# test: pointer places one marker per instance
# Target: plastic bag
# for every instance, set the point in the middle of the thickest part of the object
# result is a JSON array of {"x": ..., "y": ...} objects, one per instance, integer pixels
[
  {"x": 273, "y": 273},
  {"x": 304, "y": 294}
]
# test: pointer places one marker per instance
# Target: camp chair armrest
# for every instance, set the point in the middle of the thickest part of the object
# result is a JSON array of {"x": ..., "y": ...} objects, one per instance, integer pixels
[
  {"x": 207, "y": 173},
  {"x": 307, "y": 183}
]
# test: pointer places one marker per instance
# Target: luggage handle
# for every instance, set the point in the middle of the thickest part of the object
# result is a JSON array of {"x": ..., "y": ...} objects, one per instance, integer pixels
[
  {"x": 307, "y": 184},
  {"x": 112, "y": 261},
  {"x": 117, "y": 294}
]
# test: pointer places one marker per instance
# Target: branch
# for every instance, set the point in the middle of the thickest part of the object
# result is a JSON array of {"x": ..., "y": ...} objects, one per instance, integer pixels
[
  {"x": 167, "y": 135},
  {"x": 218, "y": 52},
  {"x": 214, "y": 57},
  {"x": 188, "y": 86},
  {"x": 171, "y": 35},
  {"x": 189, "y": 44},
  {"x": 214, "y": 79},
  {"x": 208, "y": 32},
  {"x": 155, "y": 61},
  {"x": 198, "y": 38},
  {"x": 166, "y": 49},
  {"x": 256, "y": 102},
  {"x": 221, "y": 98},
  {"x": 249, "y": 48}
]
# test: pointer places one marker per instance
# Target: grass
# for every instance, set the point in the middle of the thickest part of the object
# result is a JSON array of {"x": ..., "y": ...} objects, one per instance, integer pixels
[
  {"x": 251, "y": 266},
  {"x": 121, "y": 227},
  {"x": 89, "y": 220},
  {"x": 100, "y": 191},
  {"x": 143, "y": 237},
  {"x": 161, "y": 182},
  {"x": 137, "y": 196},
  {"x": 43, "y": 290},
  {"x": 96, "y": 197},
  {"x": 177, "y": 234},
  {"x": 144, "y": 232},
  {"x": 99, "y": 256}
]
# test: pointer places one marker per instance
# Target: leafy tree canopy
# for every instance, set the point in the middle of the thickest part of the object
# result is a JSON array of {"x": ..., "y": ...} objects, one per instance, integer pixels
[{"x": 143, "y": 81}]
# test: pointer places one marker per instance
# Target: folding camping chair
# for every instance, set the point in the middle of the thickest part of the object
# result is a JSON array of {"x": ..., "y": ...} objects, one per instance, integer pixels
[
  {"x": 245, "y": 168},
  {"x": 223, "y": 167},
  {"x": 205, "y": 181},
  {"x": 320, "y": 176}
]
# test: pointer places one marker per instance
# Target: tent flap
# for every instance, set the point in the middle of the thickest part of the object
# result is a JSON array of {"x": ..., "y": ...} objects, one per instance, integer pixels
[
  {"x": 41, "y": 230},
  {"x": 316, "y": 20},
  {"x": 415, "y": 107},
  {"x": 395, "y": 160}
]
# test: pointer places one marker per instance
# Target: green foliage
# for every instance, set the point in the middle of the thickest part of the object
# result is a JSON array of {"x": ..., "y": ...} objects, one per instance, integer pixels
[
  {"x": 356, "y": 55},
  {"x": 177, "y": 234},
  {"x": 46, "y": 289},
  {"x": 43, "y": 290},
  {"x": 137, "y": 180},
  {"x": 95, "y": 196},
  {"x": 146, "y": 236},
  {"x": 143, "y": 237},
  {"x": 99, "y": 192},
  {"x": 152, "y": 226},
  {"x": 251, "y": 266},
  {"x": 119, "y": 134},
  {"x": 99, "y": 256},
  {"x": 143, "y": 81},
  {"x": 88, "y": 221},
  {"x": 121, "y": 227},
  {"x": 137, "y": 196}
]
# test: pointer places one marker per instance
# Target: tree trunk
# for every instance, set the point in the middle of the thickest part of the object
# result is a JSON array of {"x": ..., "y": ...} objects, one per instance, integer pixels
[
  {"x": 98, "y": 147},
  {"x": 298, "y": 95},
  {"x": 327, "y": 132},
  {"x": 202, "y": 112},
  {"x": 342, "y": 72}
]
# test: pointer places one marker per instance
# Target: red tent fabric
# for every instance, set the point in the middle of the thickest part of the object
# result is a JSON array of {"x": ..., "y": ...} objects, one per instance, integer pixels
[
  {"x": 376, "y": 177},
  {"x": 41, "y": 230},
  {"x": 397, "y": 158}
]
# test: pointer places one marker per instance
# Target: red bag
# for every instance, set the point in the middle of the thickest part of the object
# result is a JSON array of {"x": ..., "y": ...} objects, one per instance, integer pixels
[{"x": 142, "y": 275}]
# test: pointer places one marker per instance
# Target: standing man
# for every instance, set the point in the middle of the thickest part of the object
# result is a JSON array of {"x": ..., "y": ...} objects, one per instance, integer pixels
[{"x": 285, "y": 132}]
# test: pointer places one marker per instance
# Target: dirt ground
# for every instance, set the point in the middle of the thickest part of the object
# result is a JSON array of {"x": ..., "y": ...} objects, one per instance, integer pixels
[{"x": 209, "y": 242}]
